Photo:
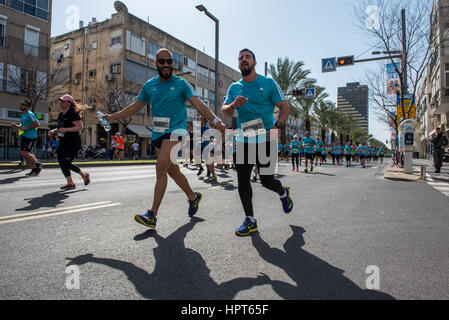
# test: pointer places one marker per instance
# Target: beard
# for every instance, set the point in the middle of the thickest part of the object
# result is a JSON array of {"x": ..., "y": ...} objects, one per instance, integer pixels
[
  {"x": 248, "y": 71},
  {"x": 166, "y": 77}
]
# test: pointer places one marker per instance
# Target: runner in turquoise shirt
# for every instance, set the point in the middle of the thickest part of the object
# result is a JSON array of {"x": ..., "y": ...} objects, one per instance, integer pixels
[
  {"x": 167, "y": 94},
  {"x": 308, "y": 143},
  {"x": 262, "y": 95}
]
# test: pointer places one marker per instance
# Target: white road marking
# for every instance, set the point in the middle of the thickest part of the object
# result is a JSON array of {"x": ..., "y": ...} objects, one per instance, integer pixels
[{"x": 59, "y": 213}]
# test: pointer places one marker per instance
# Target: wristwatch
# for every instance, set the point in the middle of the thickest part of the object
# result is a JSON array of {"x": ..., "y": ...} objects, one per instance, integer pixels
[{"x": 279, "y": 125}]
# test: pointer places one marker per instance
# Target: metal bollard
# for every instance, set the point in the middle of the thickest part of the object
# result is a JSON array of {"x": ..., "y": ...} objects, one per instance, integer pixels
[{"x": 423, "y": 172}]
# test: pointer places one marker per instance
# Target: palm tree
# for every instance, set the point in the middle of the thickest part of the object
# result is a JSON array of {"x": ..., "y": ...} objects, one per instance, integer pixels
[
  {"x": 323, "y": 113},
  {"x": 306, "y": 105},
  {"x": 289, "y": 75}
]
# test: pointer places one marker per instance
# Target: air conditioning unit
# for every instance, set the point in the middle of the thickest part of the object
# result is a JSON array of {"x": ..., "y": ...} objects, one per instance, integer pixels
[
  {"x": 76, "y": 82},
  {"x": 109, "y": 77}
]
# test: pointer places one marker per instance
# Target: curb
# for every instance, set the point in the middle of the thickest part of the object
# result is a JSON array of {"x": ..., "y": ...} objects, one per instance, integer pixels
[{"x": 14, "y": 165}]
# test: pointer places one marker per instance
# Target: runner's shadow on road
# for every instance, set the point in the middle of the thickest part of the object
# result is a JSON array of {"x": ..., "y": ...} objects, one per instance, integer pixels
[
  {"x": 315, "y": 278},
  {"x": 12, "y": 180},
  {"x": 10, "y": 171},
  {"x": 179, "y": 273},
  {"x": 49, "y": 200},
  {"x": 323, "y": 174}
]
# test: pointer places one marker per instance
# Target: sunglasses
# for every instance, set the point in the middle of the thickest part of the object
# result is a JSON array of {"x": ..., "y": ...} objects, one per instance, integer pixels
[{"x": 164, "y": 61}]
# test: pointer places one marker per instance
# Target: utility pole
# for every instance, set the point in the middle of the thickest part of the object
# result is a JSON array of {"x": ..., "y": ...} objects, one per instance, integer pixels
[{"x": 408, "y": 151}]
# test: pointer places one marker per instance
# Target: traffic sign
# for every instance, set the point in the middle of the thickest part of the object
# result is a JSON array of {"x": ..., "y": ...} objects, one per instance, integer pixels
[
  {"x": 329, "y": 64},
  {"x": 310, "y": 93}
]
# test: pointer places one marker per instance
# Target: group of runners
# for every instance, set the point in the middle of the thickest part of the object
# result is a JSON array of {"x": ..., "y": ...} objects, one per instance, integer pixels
[
  {"x": 314, "y": 150},
  {"x": 254, "y": 98}
]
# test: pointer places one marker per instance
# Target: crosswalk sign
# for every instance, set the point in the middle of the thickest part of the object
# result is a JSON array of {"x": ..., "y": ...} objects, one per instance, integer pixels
[
  {"x": 329, "y": 64},
  {"x": 310, "y": 93}
]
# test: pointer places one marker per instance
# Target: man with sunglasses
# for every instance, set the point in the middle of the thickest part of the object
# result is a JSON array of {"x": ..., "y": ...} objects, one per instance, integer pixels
[
  {"x": 29, "y": 125},
  {"x": 167, "y": 94}
]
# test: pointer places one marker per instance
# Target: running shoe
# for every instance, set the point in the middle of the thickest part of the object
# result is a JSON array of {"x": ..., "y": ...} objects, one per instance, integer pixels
[
  {"x": 193, "y": 204},
  {"x": 148, "y": 219},
  {"x": 293, "y": 169},
  {"x": 287, "y": 202},
  {"x": 311, "y": 169},
  {"x": 86, "y": 179},
  {"x": 297, "y": 170},
  {"x": 246, "y": 228},
  {"x": 212, "y": 179},
  {"x": 254, "y": 179},
  {"x": 31, "y": 173},
  {"x": 200, "y": 171},
  {"x": 68, "y": 187},
  {"x": 306, "y": 171},
  {"x": 38, "y": 169}
]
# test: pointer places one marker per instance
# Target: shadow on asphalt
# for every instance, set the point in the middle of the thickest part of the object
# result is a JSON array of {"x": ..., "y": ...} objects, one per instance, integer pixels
[
  {"x": 10, "y": 171},
  {"x": 315, "y": 278},
  {"x": 180, "y": 273},
  {"x": 12, "y": 180},
  {"x": 49, "y": 200}
]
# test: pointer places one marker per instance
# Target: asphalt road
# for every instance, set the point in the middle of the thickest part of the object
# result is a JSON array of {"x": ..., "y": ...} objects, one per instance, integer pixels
[{"x": 348, "y": 226}]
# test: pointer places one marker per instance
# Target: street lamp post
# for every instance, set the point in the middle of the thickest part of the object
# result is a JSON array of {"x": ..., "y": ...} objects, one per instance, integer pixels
[{"x": 202, "y": 8}]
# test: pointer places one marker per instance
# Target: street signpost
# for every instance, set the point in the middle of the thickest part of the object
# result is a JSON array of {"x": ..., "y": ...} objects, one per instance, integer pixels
[{"x": 329, "y": 64}]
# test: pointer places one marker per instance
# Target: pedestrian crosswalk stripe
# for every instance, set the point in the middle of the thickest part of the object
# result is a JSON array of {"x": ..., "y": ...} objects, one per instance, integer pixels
[{"x": 34, "y": 215}]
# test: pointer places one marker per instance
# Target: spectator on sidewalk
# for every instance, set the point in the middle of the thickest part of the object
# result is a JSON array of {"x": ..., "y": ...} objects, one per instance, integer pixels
[
  {"x": 119, "y": 146},
  {"x": 439, "y": 143},
  {"x": 136, "y": 148}
]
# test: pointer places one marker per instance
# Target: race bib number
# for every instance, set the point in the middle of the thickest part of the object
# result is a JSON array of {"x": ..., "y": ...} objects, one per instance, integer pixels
[
  {"x": 253, "y": 128},
  {"x": 161, "y": 125}
]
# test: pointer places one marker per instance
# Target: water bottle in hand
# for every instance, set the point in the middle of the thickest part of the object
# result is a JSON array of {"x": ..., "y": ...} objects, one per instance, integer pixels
[{"x": 104, "y": 122}]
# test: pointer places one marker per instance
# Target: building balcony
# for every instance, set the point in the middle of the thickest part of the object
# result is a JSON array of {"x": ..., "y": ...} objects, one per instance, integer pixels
[{"x": 16, "y": 45}]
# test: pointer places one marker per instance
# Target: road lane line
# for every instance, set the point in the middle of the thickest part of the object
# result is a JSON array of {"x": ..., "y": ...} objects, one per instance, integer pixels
[
  {"x": 58, "y": 213},
  {"x": 32, "y": 213}
]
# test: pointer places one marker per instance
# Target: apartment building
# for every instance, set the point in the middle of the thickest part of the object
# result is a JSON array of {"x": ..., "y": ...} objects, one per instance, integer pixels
[
  {"x": 432, "y": 99},
  {"x": 109, "y": 61},
  {"x": 24, "y": 65}
]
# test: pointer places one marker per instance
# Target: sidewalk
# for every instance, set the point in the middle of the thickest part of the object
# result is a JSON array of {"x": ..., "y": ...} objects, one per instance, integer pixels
[
  {"x": 397, "y": 174},
  {"x": 4, "y": 165}
]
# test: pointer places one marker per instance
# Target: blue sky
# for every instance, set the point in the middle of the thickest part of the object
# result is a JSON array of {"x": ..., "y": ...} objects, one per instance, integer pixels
[{"x": 301, "y": 30}]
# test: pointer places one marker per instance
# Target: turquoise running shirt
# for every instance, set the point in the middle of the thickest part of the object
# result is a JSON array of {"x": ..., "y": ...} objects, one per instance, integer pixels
[
  {"x": 168, "y": 103},
  {"x": 263, "y": 95},
  {"x": 295, "y": 146},
  {"x": 26, "y": 120},
  {"x": 308, "y": 144}
]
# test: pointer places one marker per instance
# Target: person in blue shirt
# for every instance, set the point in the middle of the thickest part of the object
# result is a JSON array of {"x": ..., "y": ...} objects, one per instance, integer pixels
[
  {"x": 381, "y": 154},
  {"x": 286, "y": 151},
  {"x": 324, "y": 152},
  {"x": 332, "y": 150},
  {"x": 362, "y": 152},
  {"x": 338, "y": 151},
  {"x": 295, "y": 146},
  {"x": 254, "y": 98},
  {"x": 318, "y": 146},
  {"x": 29, "y": 125},
  {"x": 308, "y": 144},
  {"x": 167, "y": 94},
  {"x": 348, "y": 153}
]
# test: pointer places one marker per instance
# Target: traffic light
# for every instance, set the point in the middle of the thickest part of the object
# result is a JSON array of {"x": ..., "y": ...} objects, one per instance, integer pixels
[
  {"x": 298, "y": 92},
  {"x": 345, "y": 61}
]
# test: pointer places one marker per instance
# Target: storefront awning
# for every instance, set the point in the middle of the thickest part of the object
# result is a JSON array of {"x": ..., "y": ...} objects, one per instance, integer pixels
[{"x": 141, "y": 131}]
